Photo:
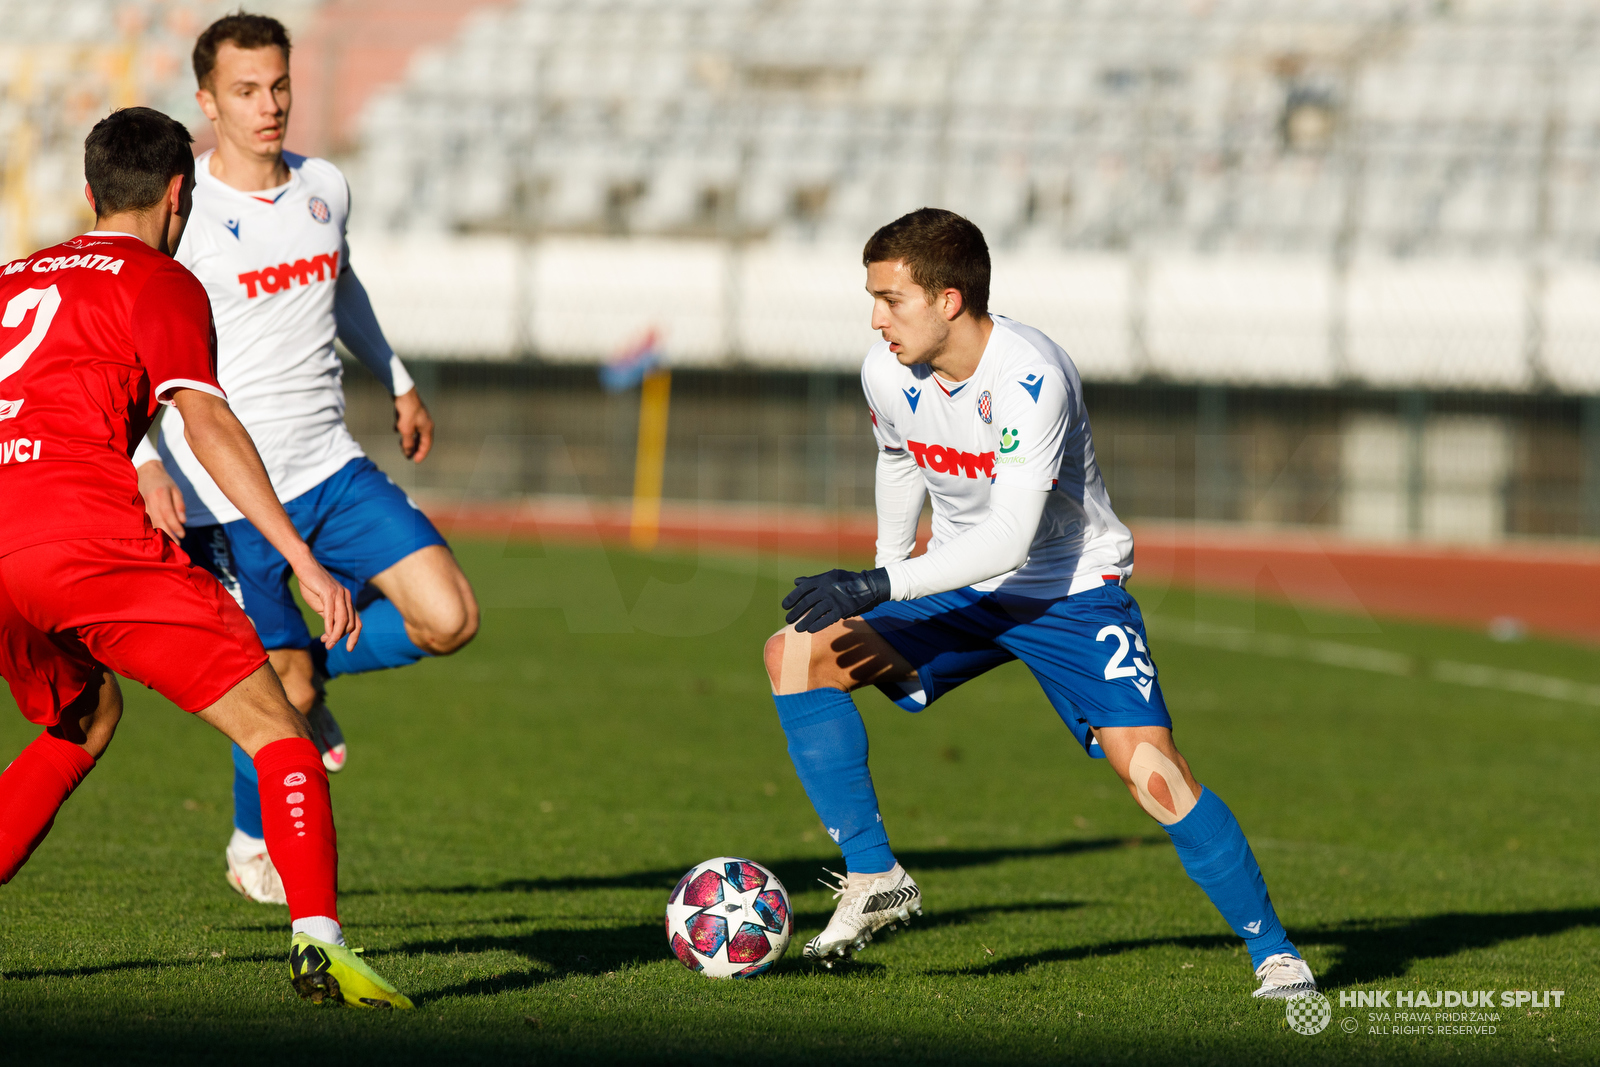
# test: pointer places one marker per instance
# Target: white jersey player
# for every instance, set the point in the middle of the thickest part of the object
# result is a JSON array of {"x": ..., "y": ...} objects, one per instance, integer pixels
[
  {"x": 267, "y": 239},
  {"x": 962, "y": 452},
  {"x": 276, "y": 265},
  {"x": 1027, "y": 561}
]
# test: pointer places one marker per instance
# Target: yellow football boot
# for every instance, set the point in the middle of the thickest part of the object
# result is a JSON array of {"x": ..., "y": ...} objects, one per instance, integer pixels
[{"x": 320, "y": 971}]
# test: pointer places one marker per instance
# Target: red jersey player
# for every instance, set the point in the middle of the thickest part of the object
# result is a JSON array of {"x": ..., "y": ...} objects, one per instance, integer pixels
[{"x": 94, "y": 333}]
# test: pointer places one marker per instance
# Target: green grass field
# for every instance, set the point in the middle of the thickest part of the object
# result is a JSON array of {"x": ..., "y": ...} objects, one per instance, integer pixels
[{"x": 513, "y": 818}]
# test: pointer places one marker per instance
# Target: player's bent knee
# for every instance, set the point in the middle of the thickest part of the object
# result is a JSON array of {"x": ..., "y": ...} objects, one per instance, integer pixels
[
  {"x": 772, "y": 657},
  {"x": 91, "y": 720},
  {"x": 797, "y": 662},
  {"x": 108, "y": 705},
  {"x": 444, "y": 627},
  {"x": 447, "y": 636},
  {"x": 301, "y": 693},
  {"x": 1159, "y": 785}
]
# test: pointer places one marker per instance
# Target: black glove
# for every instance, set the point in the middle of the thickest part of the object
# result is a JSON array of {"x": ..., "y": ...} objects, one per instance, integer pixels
[{"x": 824, "y": 599}]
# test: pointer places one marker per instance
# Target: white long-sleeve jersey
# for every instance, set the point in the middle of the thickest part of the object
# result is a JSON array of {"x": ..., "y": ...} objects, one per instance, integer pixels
[
  {"x": 277, "y": 268},
  {"x": 1018, "y": 501}
]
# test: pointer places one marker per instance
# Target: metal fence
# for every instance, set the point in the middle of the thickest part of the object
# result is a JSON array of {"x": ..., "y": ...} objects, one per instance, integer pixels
[{"x": 1389, "y": 465}]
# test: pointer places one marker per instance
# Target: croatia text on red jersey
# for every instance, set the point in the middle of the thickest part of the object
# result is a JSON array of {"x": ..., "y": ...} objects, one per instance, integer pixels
[{"x": 93, "y": 333}]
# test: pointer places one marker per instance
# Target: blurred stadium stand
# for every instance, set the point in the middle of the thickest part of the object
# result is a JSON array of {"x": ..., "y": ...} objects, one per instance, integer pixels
[
  {"x": 63, "y": 65},
  {"x": 1258, "y": 191},
  {"x": 1323, "y": 262}
]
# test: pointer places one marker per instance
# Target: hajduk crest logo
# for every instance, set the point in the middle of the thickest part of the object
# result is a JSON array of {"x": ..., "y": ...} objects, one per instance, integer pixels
[
  {"x": 986, "y": 407},
  {"x": 1308, "y": 1013},
  {"x": 319, "y": 209}
]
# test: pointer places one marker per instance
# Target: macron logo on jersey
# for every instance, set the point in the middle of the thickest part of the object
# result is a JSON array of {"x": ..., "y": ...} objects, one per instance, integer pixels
[
  {"x": 233, "y": 227},
  {"x": 912, "y": 396},
  {"x": 1033, "y": 383},
  {"x": 276, "y": 279},
  {"x": 952, "y": 460}
]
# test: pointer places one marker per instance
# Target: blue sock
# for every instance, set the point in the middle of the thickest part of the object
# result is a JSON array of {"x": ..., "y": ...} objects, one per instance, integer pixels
[
  {"x": 383, "y": 644},
  {"x": 828, "y": 744},
  {"x": 1213, "y": 850},
  {"x": 246, "y": 795}
]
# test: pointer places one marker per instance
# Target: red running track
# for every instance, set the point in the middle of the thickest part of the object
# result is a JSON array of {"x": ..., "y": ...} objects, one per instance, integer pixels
[{"x": 1548, "y": 588}]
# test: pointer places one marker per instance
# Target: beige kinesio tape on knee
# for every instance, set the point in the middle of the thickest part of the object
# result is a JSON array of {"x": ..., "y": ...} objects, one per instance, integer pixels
[
  {"x": 795, "y": 677},
  {"x": 1148, "y": 760}
]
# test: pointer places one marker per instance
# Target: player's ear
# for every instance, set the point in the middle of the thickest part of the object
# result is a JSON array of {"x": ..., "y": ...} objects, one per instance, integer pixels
[
  {"x": 88, "y": 194},
  {"x": 179, "y": 187},
  {"x": 207, "y": 102},
  {"x": 951, "y": 304}
]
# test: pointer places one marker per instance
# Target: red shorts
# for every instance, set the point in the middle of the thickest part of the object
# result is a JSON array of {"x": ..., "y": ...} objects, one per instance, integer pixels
[{"x": 137, "y": 606}]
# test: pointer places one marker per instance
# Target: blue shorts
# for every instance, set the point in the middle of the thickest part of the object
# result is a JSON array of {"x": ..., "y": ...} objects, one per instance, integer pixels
[
  {"x": 1088, "y": 652},
  {"x": 358, "y": 524}
]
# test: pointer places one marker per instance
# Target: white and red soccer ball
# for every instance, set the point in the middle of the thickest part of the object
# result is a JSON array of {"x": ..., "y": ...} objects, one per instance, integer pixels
[{"x": 729, "y": 918}]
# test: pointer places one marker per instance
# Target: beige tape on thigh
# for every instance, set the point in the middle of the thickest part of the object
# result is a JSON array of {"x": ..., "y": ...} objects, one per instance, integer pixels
[
  {"x": 1148, "y": 760},
  {"x": 795, "y": 677}
]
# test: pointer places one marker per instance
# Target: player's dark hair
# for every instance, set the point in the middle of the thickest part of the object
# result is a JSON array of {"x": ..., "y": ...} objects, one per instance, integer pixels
[
  {"x": 131, "y": 155},
  {"x": 242, "y": 30},
  {"x": 942, "y": 251}
]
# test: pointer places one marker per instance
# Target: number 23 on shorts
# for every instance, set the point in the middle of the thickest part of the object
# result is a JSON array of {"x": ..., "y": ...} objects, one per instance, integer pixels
[{"x": 1141, "y": 670}]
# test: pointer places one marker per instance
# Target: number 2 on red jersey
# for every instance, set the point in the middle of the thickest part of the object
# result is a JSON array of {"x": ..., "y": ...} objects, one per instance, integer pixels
[{"x": 48, "y": 301}]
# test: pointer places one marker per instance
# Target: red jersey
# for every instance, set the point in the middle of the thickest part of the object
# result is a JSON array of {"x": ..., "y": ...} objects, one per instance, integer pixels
[{"x": 93, "y": 334}]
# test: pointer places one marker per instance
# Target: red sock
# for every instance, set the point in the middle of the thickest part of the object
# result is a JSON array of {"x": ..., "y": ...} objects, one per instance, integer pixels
[
  {"x": 32, "y": 790},
  {"x": 297, "y": 820}
]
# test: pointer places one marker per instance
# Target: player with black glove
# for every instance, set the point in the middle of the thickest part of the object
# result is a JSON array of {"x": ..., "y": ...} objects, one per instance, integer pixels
[{"x": 821, "y": 600}]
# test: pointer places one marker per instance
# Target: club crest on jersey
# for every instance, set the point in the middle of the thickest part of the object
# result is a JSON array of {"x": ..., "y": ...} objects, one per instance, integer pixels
[
  {"x": 912, "y": 396},
  {"x": 1033, "y": 383},
  {"x": 319, "y": 209},
  {"x": 986, "y": 407},
  {"x": 233, "y": 227}
]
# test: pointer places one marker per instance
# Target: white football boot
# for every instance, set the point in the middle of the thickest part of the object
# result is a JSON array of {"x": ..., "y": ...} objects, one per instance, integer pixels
[
  {"x": 327, "y": 736},
  {"x": 867, "y": 903},
  {"x": 250, "y": 870},
  {"x": 1283, "y": 976}
]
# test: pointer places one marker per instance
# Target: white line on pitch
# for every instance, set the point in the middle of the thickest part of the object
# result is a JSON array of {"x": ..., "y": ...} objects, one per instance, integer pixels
[{"x": 1363, "y": 658}]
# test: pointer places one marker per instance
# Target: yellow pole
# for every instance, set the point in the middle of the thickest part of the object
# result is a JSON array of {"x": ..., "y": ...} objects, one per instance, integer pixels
[{"x": 655, "y": 396}]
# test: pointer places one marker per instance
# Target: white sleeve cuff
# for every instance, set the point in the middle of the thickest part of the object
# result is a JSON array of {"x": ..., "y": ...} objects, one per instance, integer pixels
[
  {"x": 399, "y": 379},
  {"x": 145, "y": 453},
  {"x": 165, "y": 390}
]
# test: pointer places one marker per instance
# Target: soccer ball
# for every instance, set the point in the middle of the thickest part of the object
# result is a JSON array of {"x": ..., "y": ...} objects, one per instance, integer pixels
[{"x": 729, "y": 918}]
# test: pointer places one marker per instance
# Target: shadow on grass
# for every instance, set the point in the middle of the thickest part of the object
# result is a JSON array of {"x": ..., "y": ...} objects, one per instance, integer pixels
[
  {"x": 556, "y": 954},
  {"x": 797, "y": 875},
  {"x": 1367, "y": 950},
  {"x": 85, "y": 972}
]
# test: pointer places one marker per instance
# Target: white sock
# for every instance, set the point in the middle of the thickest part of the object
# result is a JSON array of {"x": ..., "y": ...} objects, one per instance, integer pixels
[
  {"x": 320, "y": 927},
  {"x": 242, "y": 844}
]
